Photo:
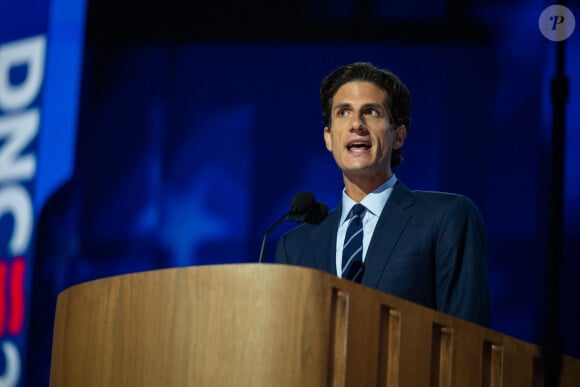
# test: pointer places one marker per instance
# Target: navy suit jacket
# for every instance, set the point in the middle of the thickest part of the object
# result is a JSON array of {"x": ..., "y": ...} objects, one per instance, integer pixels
[{"x": 428, "y": 247}]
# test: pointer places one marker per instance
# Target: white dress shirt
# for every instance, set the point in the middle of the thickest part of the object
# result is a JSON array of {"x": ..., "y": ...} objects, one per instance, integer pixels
[{"x": 374, "y": 203}]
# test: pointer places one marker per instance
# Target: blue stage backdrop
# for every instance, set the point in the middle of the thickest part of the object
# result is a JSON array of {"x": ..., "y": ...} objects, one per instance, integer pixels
[
  {"x": 187, "y": 152},
  {"x": 40, "y": 64}
]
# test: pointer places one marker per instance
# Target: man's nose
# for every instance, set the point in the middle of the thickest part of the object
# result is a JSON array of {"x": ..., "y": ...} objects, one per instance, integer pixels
[{"x": 358, "y": 123}]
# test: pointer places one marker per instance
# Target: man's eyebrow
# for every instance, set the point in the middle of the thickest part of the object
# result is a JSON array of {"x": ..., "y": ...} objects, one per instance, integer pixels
[
  {"x": 368, "y": 105},
  {"x": 365, "y": 105},
  {"x": 342, "y": 105},
  {"x": 375, "y": 105}
]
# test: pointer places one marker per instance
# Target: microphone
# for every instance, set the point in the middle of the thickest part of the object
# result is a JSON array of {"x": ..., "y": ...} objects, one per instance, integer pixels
[
  {"x": 303, "y": 209},
  {"x": 317, "y": 213},
  {"x": 301, "y": 204}
]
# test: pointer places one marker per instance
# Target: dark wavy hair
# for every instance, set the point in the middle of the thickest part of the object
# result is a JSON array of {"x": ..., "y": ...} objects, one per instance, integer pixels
[{"x": 398, "y": 96}]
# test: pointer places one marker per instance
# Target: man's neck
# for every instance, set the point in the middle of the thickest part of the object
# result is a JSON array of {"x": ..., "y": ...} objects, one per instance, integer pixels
[{"x": 359, "y": 186}]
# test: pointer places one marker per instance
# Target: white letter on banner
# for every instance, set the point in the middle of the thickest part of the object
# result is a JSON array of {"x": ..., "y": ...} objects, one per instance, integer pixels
[
  {"x": 16, "y": 201},
  {"x": 17, "y": 132},
  {"x": 29, "y": 52},
  {"x": 12, "y": 361}
]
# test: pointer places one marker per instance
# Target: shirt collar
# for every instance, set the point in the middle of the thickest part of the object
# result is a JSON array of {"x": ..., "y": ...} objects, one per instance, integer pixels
[{"x": 374, "y": 202}]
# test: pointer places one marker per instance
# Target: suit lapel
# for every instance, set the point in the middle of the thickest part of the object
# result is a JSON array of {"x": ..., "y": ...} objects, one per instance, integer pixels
[{"x": 391, "y": 224}]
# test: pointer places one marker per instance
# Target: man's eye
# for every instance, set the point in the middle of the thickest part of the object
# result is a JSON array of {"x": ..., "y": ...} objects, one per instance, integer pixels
[
  {"x": 342, "y": 113},
  {"x": 373, "y": 112}
]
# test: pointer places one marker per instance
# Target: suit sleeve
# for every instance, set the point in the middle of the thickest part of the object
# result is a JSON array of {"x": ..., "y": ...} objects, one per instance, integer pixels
[{"x": 462, "y": 263}]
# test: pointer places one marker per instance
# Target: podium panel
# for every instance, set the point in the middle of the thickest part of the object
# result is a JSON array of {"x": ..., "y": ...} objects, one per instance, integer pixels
[{"x": 273, "y": 325}]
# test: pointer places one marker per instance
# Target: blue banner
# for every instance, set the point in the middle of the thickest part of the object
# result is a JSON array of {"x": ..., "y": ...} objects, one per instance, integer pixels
[
  {"x": 33, "y": 47},
  {"x": 21, "y": 80}
]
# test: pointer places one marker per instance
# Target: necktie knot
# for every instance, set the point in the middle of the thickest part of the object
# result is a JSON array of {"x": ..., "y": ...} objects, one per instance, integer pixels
[{"x": 357, "y": 209}]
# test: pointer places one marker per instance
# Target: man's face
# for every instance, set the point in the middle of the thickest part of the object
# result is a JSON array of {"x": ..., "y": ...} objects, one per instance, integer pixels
[{"x": 361, "y": 137}]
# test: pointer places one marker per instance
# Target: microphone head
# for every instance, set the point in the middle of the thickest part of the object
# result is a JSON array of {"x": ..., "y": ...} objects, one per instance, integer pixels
[
  {"x": 317, "y": 213},
  {"x": 302, "y": 203}
]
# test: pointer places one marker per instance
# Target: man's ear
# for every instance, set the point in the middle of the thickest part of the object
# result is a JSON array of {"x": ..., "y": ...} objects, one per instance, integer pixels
[
  {"x": 327, "y": 139},
  {"x": 400, "y": 134}
]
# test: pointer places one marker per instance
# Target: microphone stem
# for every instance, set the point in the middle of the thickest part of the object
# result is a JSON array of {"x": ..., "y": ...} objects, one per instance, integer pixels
[{"x": 268, "y": 231}]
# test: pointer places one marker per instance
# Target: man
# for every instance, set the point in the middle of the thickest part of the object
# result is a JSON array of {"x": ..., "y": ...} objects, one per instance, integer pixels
[{"x": 427, "y": 247}]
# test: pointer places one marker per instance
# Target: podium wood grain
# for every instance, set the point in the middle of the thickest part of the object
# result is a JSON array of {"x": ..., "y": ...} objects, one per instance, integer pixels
[{"x": 273, "y": 325}]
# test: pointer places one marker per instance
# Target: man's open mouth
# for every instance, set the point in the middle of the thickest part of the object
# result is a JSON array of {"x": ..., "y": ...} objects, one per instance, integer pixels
[{"x": 358, "y": 145}]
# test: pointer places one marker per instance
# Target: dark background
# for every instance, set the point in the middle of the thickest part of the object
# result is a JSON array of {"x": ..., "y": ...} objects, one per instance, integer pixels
[{"x": 200, "y": 121}]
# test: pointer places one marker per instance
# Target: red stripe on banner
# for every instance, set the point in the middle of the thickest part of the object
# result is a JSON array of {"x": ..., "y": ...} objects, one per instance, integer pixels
[
  {"x": 3, "y": 275},
  {"x": 17, "y": 308}
]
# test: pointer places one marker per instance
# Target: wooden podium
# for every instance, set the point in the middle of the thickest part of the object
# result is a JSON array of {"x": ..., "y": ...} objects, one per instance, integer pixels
[{"x": 273, "y": 326}]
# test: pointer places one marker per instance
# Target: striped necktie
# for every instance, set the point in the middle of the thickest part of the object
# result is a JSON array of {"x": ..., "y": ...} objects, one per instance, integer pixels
[{"x": 352, "y": 251}]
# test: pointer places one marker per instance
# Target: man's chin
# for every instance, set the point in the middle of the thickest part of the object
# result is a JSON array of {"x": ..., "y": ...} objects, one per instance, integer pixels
[
  {"x": 371, "y": 172},
  {"x": 364, "y": 172}
]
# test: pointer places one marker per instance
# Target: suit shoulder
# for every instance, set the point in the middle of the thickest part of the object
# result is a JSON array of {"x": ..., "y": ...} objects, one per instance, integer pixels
[
  {"x": 430, "y": 196},
  {"x": 442, "y": 197},
  {"x": 445, "y": 201}
]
